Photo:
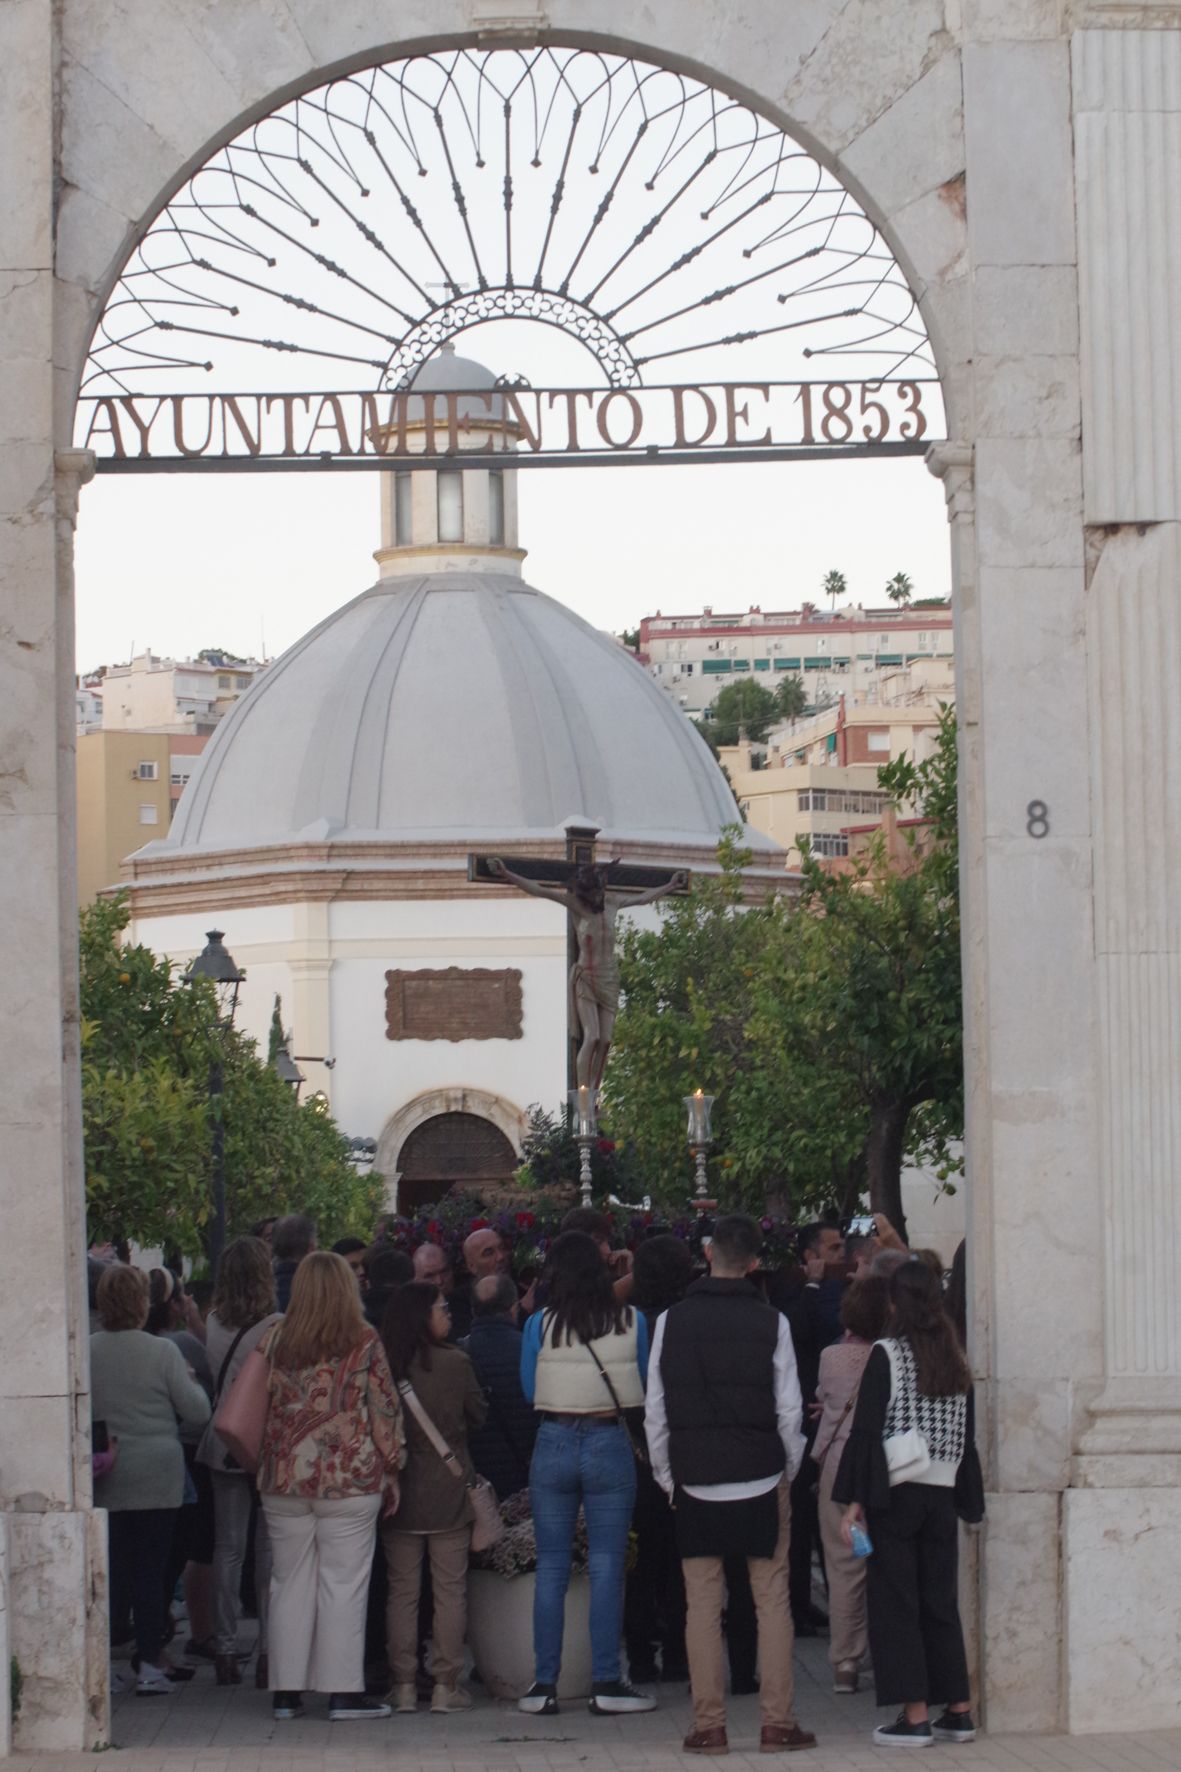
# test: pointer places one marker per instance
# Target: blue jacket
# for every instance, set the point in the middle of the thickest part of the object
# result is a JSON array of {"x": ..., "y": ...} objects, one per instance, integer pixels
[{"x": 502, "y": 1448}]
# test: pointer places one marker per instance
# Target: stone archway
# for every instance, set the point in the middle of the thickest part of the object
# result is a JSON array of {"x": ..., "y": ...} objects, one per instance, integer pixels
[
  {"x": 997, "y": 179},
  {"x": 485, "y": 1156},
  {"x": 451, "y": 1151}
]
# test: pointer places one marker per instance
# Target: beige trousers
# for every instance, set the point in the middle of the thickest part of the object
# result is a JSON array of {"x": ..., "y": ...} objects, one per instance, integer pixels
[
  {"x": 705, "y": 1592},
  {"x": 321, "y": 1560},
  {"x": 448, "y": 1553},
  {"x": 848, "y": 1638}
]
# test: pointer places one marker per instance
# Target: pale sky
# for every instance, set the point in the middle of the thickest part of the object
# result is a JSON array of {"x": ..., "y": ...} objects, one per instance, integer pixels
[{"x": 177, "y": 562}]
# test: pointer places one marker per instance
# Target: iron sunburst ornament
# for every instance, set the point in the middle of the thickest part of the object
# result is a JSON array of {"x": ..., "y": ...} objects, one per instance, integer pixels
[{"x": 668, "y": 228}]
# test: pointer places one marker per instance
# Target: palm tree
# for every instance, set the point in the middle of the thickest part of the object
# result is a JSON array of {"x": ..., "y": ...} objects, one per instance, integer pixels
[
  {"x": 899, "y": 588},
  {"x": 835, "y": 586},
  {"x": 790, "y": 698}
]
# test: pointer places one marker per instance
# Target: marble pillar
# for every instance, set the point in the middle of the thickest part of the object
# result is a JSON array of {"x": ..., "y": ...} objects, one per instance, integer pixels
[{"x": 53, "y": 1562}]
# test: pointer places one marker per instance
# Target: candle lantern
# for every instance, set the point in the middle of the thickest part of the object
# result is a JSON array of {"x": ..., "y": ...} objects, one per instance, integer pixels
[
  {"x": 584, "y": 1116},
  {"x": 699, "y": 1106}
]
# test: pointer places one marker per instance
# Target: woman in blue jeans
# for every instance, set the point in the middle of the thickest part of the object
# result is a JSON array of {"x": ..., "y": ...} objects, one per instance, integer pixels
[{"x": 584, "y": 1359}]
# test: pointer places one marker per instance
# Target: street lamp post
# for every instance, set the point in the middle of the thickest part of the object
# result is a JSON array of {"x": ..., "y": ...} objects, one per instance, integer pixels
[{"x": 215, "y": 963}]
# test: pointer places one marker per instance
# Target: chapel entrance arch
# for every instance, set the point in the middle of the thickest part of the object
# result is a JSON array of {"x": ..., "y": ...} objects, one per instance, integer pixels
[
  {"x": 446, "y": 1138},
  {"x": 452, "y": 1152}
]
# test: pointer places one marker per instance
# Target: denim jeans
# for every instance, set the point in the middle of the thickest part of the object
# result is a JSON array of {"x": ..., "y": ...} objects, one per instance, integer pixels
[{"x": 588, "y": 1464}]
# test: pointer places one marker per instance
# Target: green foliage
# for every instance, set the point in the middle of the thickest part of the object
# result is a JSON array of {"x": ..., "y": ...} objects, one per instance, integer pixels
[
  {"x": 631, "y": 639},
  {"x": 149, "y": 1041},
  {"x": 899, "y": 589},
  {"x": 835, "y": 585},
  {"x": 830, "y": 1034},
  {"x": 690, "y": 991},
  {"x": 276, "y": 1038},
  {"x": 551, "y": 1157},
  {"x": 791, "y": 698},
  {"x": 744, "y": 707}
]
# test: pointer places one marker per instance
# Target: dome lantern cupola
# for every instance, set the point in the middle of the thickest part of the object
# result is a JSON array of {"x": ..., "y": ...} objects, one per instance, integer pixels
[{"x": 454, "y": 518}]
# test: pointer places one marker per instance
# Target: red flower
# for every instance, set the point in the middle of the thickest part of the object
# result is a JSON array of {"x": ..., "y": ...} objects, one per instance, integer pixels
[
  {"x": 605, "y": 1146},
  {"x": 479, "y": 1224},
  {"x": 433, "y": 1228},
  {"x": 526, "y": 1220}
]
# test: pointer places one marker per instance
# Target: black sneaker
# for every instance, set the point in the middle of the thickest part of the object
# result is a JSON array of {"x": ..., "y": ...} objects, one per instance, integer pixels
[
  {"x": 355, "y": 1707},
  {"x": 955, "y": 1725},
  {"x": 539, "y": 1701},
  {"x": 613, "y": 1697},
  {"x": 900, "y": 1733},
  {"x": 287, "y": 1706}
]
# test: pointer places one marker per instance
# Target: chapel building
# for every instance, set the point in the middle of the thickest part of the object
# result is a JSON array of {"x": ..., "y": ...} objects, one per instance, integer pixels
[{"x": 451, "y": 709}]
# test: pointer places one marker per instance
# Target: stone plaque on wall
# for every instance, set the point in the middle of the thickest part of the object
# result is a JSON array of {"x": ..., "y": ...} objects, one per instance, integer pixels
[{"x": 454, "y": 1003}]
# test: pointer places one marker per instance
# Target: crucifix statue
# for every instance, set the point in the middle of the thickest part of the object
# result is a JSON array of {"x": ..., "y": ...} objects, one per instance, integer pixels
[{"x": 592, "y": 897}]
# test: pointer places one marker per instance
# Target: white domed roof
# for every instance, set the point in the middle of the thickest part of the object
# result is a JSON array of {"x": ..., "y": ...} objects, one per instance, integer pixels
[
  {"x": 446, "y": 373},
  {"x": 454, "y": 705}
]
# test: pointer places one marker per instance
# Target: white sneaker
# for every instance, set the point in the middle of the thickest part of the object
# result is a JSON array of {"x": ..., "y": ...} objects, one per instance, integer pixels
[
  {"x": 404, "y": 1697},
  {"x": 448, "y": 1698},
  {"x": 153, "y": 1682}
]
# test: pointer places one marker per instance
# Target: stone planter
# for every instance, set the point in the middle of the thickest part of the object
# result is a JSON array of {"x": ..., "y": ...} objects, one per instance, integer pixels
[{"x": 500, "y": 1634}]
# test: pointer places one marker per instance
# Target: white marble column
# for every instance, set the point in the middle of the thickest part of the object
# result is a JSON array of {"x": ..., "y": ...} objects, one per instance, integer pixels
[
  {"x": 1122, "y": 1525},
  {"x": 53, "y": 1566},
  {"x": 1035, "y": 1236}
]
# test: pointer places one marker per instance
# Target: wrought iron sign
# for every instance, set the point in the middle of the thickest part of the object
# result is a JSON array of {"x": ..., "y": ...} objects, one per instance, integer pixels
[
  {"x": 578, "y": 426},
  {"x": 724, "y": 294}
]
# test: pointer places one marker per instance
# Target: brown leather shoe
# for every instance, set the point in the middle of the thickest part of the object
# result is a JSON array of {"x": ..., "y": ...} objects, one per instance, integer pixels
[
  {"x": 775, "y": 1739},
  {"x": 706, "y": 1741}
]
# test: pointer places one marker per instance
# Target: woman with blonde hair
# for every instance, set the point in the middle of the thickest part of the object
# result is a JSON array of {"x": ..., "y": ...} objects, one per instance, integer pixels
[
  {"x": 243, "y": 1310},
  {"x": 331, "y": 1452},
  {"x": 140, "y": 1388}
]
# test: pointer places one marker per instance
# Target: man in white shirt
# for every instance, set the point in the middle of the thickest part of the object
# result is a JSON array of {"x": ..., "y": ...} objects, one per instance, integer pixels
[{"x": 723, "y": 1419}]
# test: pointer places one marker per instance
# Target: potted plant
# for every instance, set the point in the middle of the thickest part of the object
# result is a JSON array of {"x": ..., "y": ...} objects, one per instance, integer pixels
[{"x": 500, "y": 1609}]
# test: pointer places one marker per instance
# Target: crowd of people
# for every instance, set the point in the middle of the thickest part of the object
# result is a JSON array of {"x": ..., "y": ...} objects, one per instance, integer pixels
[{"x": 327, "y": 1444}]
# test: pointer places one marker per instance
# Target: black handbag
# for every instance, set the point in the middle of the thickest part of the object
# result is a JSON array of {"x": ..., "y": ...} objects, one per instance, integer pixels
[{"x": 631, "y": 1419}]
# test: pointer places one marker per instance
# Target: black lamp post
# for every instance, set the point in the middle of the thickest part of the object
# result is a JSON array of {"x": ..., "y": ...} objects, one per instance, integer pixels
[{"x": 215, "y": 963}]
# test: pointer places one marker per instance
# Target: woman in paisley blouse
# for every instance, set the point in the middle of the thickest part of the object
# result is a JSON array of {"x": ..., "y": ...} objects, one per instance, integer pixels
[{"x": 332, "y": 1448}]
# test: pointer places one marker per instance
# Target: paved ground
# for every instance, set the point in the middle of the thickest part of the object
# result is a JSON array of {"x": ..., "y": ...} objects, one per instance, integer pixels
[{"x": 210, "y": 1729}]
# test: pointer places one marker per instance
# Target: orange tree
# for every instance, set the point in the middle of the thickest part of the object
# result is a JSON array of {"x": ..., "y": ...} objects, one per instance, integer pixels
[
  {"x": 830, "y": 1033},
  {"x": 148, "y": 1040}
]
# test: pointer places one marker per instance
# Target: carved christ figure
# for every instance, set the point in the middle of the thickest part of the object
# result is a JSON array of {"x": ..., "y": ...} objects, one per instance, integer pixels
[{"x": 594, "y": 976}]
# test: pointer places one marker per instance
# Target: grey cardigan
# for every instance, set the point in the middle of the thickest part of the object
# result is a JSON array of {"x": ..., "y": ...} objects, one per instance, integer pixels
[{"x": 140, "y": 1388}]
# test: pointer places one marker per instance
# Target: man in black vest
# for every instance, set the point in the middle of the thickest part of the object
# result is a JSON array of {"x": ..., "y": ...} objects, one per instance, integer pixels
[{"x": 723, "y": 1423}]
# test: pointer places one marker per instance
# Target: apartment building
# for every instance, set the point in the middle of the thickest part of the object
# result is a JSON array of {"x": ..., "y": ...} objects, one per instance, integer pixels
[
  {"x": 835, "y": 652},
  {"x": 816, "y": 777},
  {"x": 154, "y": 694}
]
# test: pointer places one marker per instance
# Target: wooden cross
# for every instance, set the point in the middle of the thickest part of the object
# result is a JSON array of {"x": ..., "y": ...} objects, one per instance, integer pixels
[{"x": 593, "y": 996}]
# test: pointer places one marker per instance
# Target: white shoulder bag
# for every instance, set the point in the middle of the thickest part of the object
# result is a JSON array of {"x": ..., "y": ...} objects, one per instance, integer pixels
[{"x": 908, "y": 1456}]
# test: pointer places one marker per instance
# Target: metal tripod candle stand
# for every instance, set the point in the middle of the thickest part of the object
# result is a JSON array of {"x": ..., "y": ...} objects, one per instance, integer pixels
[
  {"x": 584, "y": 1113},
  {"x": 699, "y": 1106}
]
